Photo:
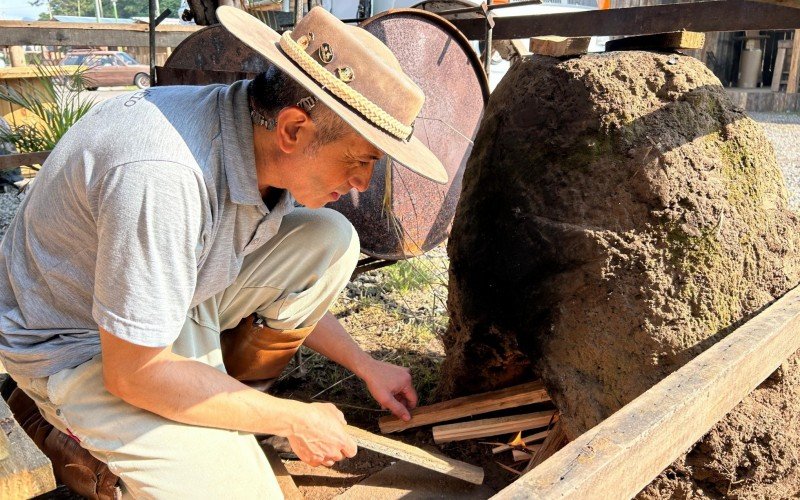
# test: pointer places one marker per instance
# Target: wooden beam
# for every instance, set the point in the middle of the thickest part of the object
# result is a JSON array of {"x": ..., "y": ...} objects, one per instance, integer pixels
[
  {"x": 794, "y": 64},
  {"x": 777, "y": 70},
  {"x": 414, "y": 455},
  {"x": 623, "y": 454},
  {"x": 490, "y": 427},
  {"x": 91, "y": 34},
  {"x": 676, "y": 40},
  {"x": 559, "y": 46},
  {"x": 10, "y": 162},
  {"x": 511, "y": 397},
  {"x": 785, "y": 3},
  {"x": 25, "y": 472},
  {"x": 724, "y": 15}
]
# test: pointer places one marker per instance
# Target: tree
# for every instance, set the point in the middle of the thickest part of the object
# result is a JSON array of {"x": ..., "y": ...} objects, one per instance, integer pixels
[{"x": 86, "y": 8}]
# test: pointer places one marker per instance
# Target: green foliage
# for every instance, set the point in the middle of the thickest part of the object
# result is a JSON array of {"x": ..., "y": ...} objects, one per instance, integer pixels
[
  {"x": 125, "y": 8},
  {"x": 407, "y": 275},
  {"x": 57, "y": 108}
]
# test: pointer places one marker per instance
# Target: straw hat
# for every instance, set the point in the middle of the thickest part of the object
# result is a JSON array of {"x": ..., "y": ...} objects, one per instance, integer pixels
[{"x": 351, "y": 72}]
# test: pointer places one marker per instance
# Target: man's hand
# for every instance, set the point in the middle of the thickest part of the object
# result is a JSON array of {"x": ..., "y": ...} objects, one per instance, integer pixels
[
  {"x": 319, "y": 436},
  {"x": 391, "y": 387}
]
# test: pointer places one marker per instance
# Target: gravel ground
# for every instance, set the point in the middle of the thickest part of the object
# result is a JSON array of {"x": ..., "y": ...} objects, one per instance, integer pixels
[
  {"x": 8, "y": 207},
  {"x": 783, "y": 130}
]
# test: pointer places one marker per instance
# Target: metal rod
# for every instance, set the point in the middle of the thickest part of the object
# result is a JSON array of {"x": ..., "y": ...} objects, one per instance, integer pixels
[
  {"x": 152, "y": 41},
  {"x": 487, "y": 51}
]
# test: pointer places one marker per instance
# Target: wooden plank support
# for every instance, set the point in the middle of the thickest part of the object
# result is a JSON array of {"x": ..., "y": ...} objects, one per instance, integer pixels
[
  {"x": 703, "y": 17},
  {"x": 676, "y": 40},
  {"x": 490, "y": 426},
  {"x": 559, "y": 46},
  {"x": 93, "y": 34},
  {"x": 414, "y": 455},
  {"x": 622, "y": 455},
  {"x": 9, "y": 162},
  {"x": 24, "y": 472},
  {"x": 511, "y": 397},
  {"x": 794, "y": 64}
]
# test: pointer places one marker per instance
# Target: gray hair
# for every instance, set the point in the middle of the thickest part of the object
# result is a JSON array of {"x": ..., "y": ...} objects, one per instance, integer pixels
[{"x": 273, "y": 90}]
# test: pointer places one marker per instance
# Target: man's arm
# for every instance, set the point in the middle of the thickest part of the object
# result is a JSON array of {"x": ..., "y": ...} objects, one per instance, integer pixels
[
  {"x": 187, "y": 391},
  {"x": 389, "y": 384}
]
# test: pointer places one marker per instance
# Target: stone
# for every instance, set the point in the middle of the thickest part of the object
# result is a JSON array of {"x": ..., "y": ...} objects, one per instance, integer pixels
[{"x": 618, "y": 216}]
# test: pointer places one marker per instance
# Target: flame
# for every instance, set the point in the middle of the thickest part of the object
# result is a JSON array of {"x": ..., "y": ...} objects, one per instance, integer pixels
[{"x": 517, "y": 441}]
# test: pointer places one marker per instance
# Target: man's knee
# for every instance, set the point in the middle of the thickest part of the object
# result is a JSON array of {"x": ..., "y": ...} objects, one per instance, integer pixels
[{"x": 330, "y": 234}]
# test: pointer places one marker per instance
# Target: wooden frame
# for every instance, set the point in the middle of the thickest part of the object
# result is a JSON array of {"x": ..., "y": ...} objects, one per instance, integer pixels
[
  {"x": 623, "y": 454},
  {"x": 91, "y": 34},
  {"x": 727, "y": 15}
]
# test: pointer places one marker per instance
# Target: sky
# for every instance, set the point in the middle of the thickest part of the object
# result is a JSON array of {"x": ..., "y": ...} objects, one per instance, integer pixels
[{"x": 19, "y": 9}]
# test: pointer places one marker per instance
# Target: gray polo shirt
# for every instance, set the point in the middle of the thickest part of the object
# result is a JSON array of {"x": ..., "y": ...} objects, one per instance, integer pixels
[{"x": 144, "y": 209}]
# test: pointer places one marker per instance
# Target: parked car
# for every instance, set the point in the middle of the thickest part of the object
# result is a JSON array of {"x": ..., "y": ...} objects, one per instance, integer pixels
[{"x": 105, "y": 68}]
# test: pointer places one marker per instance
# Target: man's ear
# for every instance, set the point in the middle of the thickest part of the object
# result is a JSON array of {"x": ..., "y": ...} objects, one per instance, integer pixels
[{"x": 294, "y": 129}]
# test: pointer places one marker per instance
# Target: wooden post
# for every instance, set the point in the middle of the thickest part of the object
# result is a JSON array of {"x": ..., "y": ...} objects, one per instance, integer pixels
[
  {"x": 17, "y": 54},
  {"x": 794, "y": 65},
  {"x": 777, "y": 70}
]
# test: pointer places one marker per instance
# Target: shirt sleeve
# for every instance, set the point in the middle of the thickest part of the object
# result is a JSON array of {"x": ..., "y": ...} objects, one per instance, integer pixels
[{"x": 149, "y": 219}]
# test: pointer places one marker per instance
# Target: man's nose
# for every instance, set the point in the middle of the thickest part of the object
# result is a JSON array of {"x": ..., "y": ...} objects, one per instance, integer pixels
[{"x": 361, "y": 180}]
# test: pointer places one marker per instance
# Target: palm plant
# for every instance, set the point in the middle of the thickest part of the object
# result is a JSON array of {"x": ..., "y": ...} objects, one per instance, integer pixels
[{"x": 53, "y": 97}]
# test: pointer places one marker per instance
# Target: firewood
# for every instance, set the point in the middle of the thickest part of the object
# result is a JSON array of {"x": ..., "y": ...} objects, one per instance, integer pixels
[
  {"x": 511, "y": 397},
  {"x": 490, "y": 427},
  {"x": 414, "y": 455}
]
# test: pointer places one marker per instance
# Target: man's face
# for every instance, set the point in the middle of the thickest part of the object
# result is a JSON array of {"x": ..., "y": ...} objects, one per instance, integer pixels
[{"x": 325, "y": 173}]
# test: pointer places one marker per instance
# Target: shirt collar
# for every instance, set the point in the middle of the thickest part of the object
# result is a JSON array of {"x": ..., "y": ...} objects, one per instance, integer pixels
[{"x": 237, "y": 146}]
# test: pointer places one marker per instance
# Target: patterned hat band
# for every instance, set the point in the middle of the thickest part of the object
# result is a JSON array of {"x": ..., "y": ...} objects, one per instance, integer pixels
[{"x": 370, "y": 110}]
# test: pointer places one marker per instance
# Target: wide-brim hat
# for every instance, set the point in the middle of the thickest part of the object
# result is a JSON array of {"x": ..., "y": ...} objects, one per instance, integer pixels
[{"x": 350, "y": 71}]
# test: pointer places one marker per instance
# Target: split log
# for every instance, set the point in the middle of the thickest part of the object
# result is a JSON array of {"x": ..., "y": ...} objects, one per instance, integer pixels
[
  {"x": 511, "y": 397},
  {"x": 490, "y": 427},
  {"x": 414, "y": 455}
]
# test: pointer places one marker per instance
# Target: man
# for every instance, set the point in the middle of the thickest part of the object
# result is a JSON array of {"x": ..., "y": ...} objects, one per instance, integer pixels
[{"x": 165, "y": 217}]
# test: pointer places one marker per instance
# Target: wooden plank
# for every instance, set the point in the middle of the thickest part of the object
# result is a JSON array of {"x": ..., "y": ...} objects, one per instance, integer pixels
[
  {"x": 285, "y": 481},
  {"x": 623, "y": 454},
  {"x": 703, "y": 17},
  {"x": 414, "y": 455},
  {"x": 9, "y": 162},
  {"x": 25, "y": 472},
  {"x": 490, "y": 427},
  {"x": 476, "y": 404},
  {"x": 794, "y": 64},
  {"x": 559, "y": 46},
  {"x": 777, "y": 72},
  {"x": 676, "y": 40},
  {"x": 554, "y": 441},
  {"x": 93, "y": 34},
  {"x": 526, "y": 440}
]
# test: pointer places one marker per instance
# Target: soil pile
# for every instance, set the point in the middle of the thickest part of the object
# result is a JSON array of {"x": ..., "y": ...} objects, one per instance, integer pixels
[{"x": 618, "y": 217}]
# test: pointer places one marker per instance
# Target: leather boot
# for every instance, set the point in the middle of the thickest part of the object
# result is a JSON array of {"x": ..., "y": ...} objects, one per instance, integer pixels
[
  {"x": 253, "y": 352},
  {"x": 73, "y": 466}
]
